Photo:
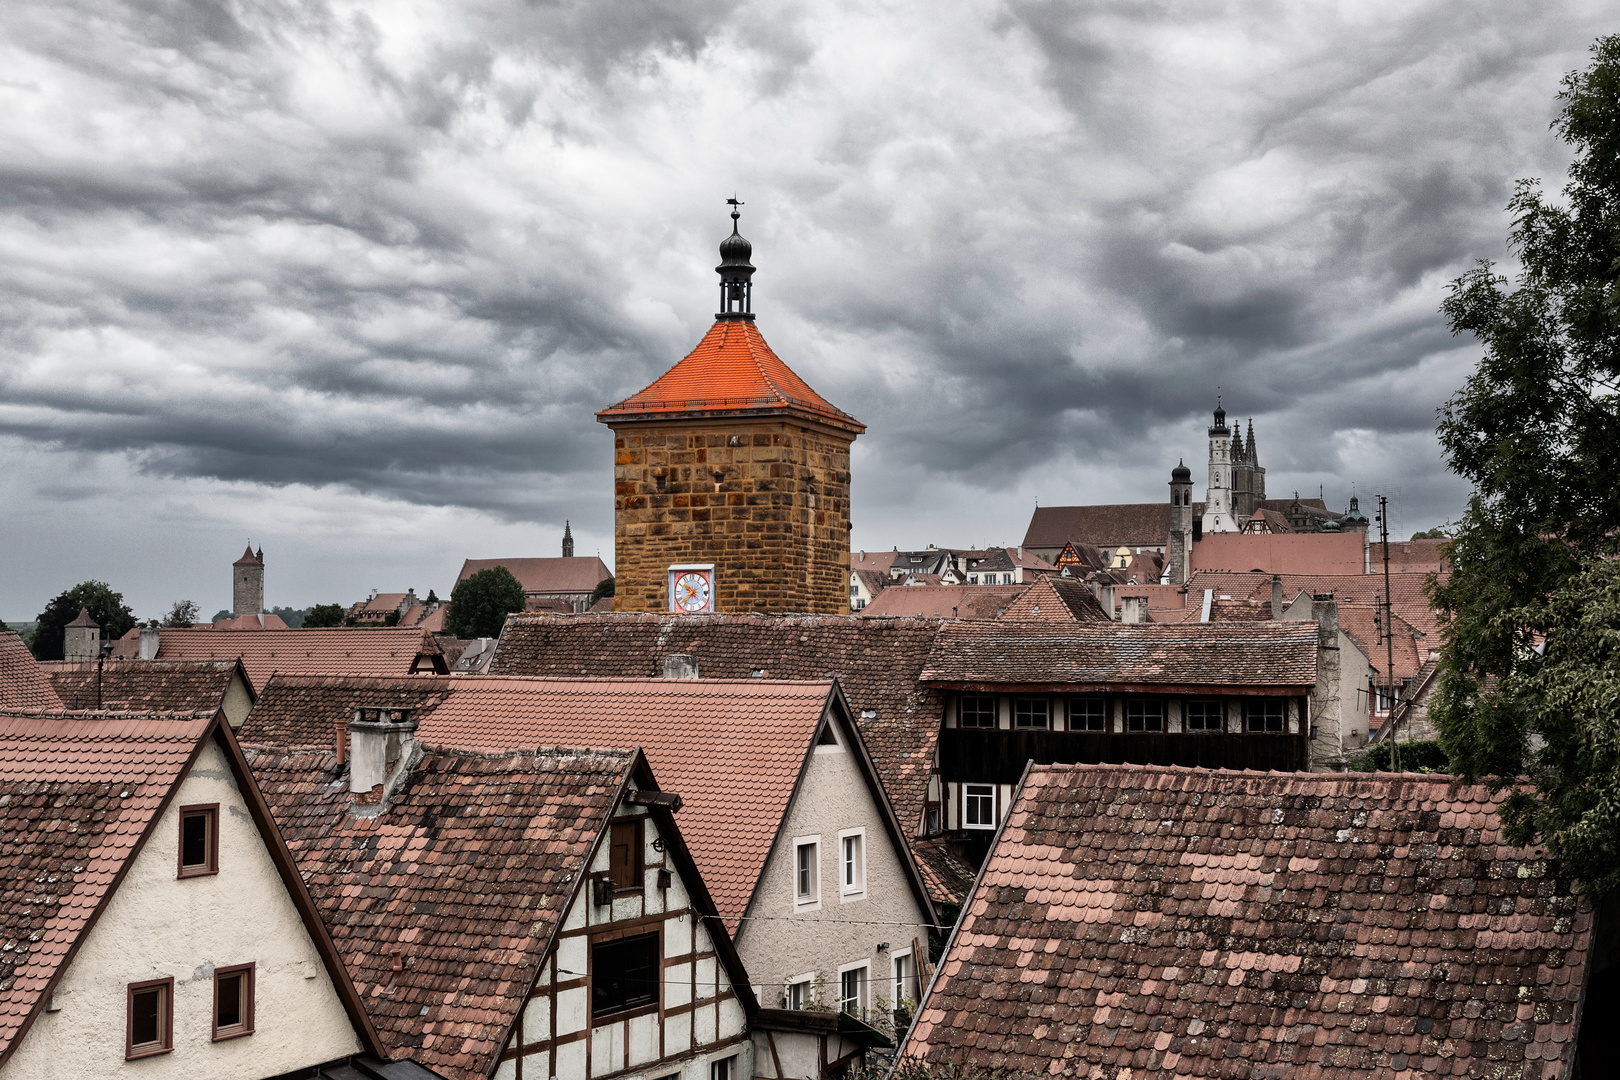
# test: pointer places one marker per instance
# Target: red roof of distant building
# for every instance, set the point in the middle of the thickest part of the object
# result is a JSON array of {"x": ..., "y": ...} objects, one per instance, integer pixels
[
  {"x": 1056, "y": 599},
  {"x": 142, "y": 685},
  {"x": 248, "y": 558},
  {"x": 329, "y": 651},
  {"x": 1281, "y": 553},
  {"x": 83, "y": 619},
  {"x": 1200, "y": 922},
  {"x": 23, "y": 683},
  {"x": 261, "y": 621},
  {"x": 577, "y": 574},
  {"x": 941, "y": 601},
  {"x": 732, "y": 370}
]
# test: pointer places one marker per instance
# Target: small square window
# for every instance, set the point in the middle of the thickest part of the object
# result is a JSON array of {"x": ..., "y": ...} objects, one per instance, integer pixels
[
  {"x": 625, "y": 857},
  {"x": 1265, "y": 715},
  {"x": 1144, "y": 715},
  {"x": 150, "y": 1028},
  {"x": 624, "y": 975},
  {"x": 1088, "y": 714},
  {"x": 978, "y": 711},
  {"x": 1031, "y": 713},
  {"x": 233, "y": 1001},
  {"x": 806, "y": 872},
  {"x": 978, "y": 806},
  {"x": 199, "y": 840},
  {"x": 1205, "y": 714}
]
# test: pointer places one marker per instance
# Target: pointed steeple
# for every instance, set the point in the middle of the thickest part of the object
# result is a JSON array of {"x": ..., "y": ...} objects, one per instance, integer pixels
[
  {"x": 1237, "y": 447},
  {"x": 736, "y": 272},
  {"x": 1254, "y": 458},
  {"x": 568, "y": 541}
]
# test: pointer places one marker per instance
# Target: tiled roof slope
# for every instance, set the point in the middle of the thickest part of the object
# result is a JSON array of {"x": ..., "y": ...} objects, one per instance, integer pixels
[
  {"x": 731, "y": 370},
  {"x": 1144, "y": 524},
  {"x": 1054, "y": 598},
  {"x": 23, "y": 682},
  {"x": 1361, "y": 623},
  {"x": 144, "y": 685},
  {"x": 380, "y": 651},
  {"x": 76, "y": 796},
  {"x": 877, "y": 662},
  {"x": 941, "y": 601},
  {"x": 1409, "y": 556},
  {"x": 463, "y": 878},
  {"x": 1281, "y": 553},
  {"x": 946, "y": 873},
  {"x": 1408, "y": 595},
  {"x": 1230, "y": 609},
  {"x": 311, "y": 712},
  {"x": 1276, "y": 654},
  {"x": 578, "y": 573},
  {"x": 1188, "y": 922}
]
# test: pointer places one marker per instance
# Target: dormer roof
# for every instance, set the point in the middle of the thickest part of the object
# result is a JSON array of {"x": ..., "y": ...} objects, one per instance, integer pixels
[{"x": 731, "y": 372}]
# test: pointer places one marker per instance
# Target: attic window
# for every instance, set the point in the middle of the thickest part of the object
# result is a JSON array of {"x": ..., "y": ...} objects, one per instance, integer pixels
[
  {"x": 233, "y": 1002},
  {"x": 625, "y": 856},
  {"x": 199, "y": 840},
  {"x": 624, "y": 975},
  {"x": 827, "y": 738},
  {"x": 150, "y": 1028}
]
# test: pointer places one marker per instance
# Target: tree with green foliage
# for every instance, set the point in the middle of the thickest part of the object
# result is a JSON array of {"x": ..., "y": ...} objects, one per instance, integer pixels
[
  {"x": 480, "y": 603},
  {"x": 1526, "y": 699},
  {"x": 604, "y": 588},
  {"x": 432, "y": 597},
  {"x": 322, "y": 615},
  {"x": 96, "y": 597},
  {"x": 182, "y": 615},
  {"x": 1436, "y": 533}
]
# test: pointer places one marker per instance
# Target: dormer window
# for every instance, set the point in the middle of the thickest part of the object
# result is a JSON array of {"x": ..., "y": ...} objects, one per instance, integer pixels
[{"x": 199, "y": 840}]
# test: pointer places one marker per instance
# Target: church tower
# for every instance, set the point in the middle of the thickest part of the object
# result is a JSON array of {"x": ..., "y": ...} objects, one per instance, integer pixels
[
  {"x": 1218, "y": 502},
  {"x": 731, "y": 475},
  {"x": 568, "y": 540},
  {"x": 247, "y": 583},
  {"x": 1178, "y": 553}
]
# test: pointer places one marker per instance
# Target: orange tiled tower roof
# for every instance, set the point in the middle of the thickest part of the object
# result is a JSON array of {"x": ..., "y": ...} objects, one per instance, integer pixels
[{"x": 732, "y": 370}]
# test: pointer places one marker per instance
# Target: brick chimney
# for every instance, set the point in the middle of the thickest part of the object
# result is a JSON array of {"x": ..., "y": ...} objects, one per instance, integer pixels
[
  {"x": 1105, "y": 597},
  {"x": 382, "y": 749},
  {"x": 1277, "y": 604}
]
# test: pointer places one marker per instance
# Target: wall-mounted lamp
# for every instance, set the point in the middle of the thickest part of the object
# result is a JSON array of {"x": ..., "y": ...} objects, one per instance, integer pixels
[{"x": 883, "y": 946}]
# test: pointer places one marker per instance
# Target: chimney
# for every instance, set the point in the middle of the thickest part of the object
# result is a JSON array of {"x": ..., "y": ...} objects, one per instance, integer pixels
[
  {"x": 1133, "y": 609},
  {"x": 381, "y": 752},
  {"x": 149, "y": 643},
  {"x": 1105, "y": 597},
  {"x": 1276, "y": 596},
  {"x": 1325, "y": 613},
  {"x": 680, "y": 666}
]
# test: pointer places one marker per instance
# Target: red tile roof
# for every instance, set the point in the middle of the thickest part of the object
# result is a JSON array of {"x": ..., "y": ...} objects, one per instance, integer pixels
[
  {"x": 577, "y": 574},
  {"x": 1123, "y": 656},
  {"x": 83, "y": 619},
  {"x": 942, "y": 601},
  {"x": 144, "y": 685},
  {"x": 733, "y": 749},
  {"x": 1056, "y": 599},
  {"x": 1189, "y": 922},
  {"x": 338, "y": 651},
  {"x": 877, "y": 662},
  {"x": 1360, "y": 622},
  {"x": 878, "y": 561},
  {"x": 1128, "y": 524},
  {"x": 732, "y": 370},
  {"x": 463, "y": 878},
  {"x": 1281, "y": 553},
  {"x": 1410, "y": 556},
  {"x": 945, "y": 871},
  {"x": 260, "y": 621},
  {"x": 23, "y": 682},
  {"x": 1410, "y": 600}
]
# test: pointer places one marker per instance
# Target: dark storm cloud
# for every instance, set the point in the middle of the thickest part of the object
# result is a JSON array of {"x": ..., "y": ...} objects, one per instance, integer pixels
[{"x": 409, "y": 252}]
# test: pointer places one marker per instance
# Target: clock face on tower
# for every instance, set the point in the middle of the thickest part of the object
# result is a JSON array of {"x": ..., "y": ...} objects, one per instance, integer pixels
[{"x": 691, "y": 588}]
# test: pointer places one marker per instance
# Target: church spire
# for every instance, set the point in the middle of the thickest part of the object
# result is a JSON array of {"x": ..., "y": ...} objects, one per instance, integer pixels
[
  {"x": 736, "y": 272},
  {"x": 1254, "y": 458},
  {"x": 568, "y": 541}
]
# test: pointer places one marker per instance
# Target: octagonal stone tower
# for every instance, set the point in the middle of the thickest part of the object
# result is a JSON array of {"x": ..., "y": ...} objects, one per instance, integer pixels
[{"x": 730, "y": 460}]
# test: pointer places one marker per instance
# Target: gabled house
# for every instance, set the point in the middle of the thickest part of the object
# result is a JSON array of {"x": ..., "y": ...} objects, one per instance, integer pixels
[
  {"x": 783, "y": 809},
  {"x": 1147, "y": 921},
  {"x": 155, "y": 686},
  {"x": 152, "y": 922},
  {"x": 1054, "y": 598},
  {"x": 518, "y": 914},
  {"x": 569, "y": 580},
  {"x": 864, "y": 585}
]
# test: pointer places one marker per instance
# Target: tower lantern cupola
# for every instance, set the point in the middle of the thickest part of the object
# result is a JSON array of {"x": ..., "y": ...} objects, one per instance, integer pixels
[
  {"x": 1219, "y": 427},
  {"x": 736, "y": 272}
]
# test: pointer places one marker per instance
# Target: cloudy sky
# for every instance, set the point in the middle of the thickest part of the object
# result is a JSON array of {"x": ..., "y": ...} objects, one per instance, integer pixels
[{"x": 350, "y": 279}]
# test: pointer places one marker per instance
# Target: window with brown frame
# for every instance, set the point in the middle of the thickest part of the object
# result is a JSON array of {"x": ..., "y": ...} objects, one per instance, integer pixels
[
  {"x": 150, "y": 1023},
  {"x": 625, "y": 855},
  {"x": 1088, "y": 714},
  {"x": 624, "y": 975},
  {"x": 199, "y": 840},
  {"x": 233, "y": 1001},
  {"x": 978, "y": 711}
]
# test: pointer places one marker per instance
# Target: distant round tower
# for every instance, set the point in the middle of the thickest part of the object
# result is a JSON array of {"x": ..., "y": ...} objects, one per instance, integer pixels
[
  {"x": 81, "y": 638},
  {"x": 247, "y": 583},
  {"x": 1218, "y": 516}
]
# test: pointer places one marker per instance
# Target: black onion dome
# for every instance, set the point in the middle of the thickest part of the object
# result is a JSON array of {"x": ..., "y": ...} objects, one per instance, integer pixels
[
  {"x": 735, "y": 249},
  {"x": 1181, "y": 474}
]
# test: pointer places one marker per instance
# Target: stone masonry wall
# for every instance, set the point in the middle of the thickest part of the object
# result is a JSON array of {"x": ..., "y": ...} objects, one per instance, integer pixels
[{"x": 766, "y": 501}]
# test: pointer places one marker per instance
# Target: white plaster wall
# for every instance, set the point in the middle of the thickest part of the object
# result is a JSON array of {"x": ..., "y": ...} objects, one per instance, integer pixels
[
  {"x": 156, "y": 926},
  {"x": 832, "y": 798},
  {"x": 238, "y": 702}
]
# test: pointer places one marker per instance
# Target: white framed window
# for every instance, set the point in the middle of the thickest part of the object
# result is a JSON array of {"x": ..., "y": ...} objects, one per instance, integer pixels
[
  {"x": 807, "y": 871},
  {"x": 852, "y": 863},
  {"x": 904, "y": 970},
  {"x": 796, "y": 991},
  {"x": 853, "y": 980},
  {"x": 978, "y": 806},
  {"x": 724, "y": 1069}
]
